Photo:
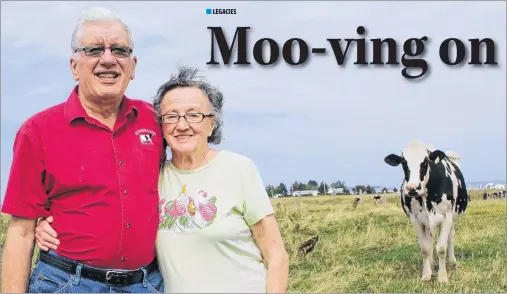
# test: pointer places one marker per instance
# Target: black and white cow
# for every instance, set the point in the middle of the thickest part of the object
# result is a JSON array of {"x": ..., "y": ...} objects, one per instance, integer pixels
[
  {"x": 433, "y": 194},
  {"x": 376, "y": 198}
]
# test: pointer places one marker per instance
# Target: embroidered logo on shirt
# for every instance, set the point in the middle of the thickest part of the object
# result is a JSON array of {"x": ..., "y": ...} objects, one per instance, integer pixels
[
  {"x": 145, "y": 136},
  {"x": 146, "y": 139},
  {"x": 187, "y": 213}
]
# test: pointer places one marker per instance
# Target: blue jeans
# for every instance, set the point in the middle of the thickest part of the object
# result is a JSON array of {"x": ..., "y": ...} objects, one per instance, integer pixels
[{"x": 48, "y": 279}]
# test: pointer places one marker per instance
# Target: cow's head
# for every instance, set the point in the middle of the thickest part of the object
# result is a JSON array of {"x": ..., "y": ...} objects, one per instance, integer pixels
[{"x": 415, "y": 160}]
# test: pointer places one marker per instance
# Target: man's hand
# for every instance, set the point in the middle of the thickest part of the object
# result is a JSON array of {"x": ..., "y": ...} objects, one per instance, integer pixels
[{"x": 45, "y": 235}]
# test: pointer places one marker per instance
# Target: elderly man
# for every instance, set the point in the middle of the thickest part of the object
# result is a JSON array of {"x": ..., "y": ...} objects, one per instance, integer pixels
[{"x": 92, "y": 163}]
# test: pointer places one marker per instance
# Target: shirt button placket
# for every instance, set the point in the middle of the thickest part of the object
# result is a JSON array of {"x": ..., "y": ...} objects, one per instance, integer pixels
[{"x": 122, "y": 181}]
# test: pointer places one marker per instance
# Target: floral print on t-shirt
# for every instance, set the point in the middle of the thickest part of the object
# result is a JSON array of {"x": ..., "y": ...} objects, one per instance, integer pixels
[{"x": 187, "y": 213}]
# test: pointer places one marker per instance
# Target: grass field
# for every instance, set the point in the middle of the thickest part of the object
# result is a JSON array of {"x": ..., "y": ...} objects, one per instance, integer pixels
[{"x": 374, "y": 248}]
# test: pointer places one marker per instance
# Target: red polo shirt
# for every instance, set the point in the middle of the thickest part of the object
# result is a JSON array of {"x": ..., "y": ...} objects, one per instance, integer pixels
[{"x": 99, "y": 185}]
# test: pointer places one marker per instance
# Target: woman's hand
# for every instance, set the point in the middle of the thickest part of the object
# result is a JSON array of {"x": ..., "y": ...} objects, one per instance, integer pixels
[
  {"x": 45, "y": 235},
  {"x": 268, "y": 238}
]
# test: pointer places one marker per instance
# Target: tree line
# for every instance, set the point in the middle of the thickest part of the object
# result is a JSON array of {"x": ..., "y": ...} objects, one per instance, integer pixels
[{"x": 322, "y": 187}]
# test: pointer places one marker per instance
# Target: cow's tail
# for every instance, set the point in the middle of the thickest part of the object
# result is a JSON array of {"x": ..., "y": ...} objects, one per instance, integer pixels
[
  {"x": 463, "y": 196},
  {"x": 454, "y": 157}
]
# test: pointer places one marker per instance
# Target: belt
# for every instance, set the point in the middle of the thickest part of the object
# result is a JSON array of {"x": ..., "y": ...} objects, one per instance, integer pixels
[{"x": 109, "y": 277}]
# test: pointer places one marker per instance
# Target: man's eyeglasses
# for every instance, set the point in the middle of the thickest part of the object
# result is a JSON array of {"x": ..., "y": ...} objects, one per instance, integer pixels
[
  {"x": 98, "y": 51},
  {"x": 193, "y": 117}
]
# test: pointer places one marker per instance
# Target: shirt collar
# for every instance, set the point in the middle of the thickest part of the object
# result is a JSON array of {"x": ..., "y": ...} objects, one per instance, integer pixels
[{"x": 73, "y": 108}]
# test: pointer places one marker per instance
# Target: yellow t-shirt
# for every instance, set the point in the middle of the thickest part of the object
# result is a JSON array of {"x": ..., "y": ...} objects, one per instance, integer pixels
[{"x": 204, "y": 241}]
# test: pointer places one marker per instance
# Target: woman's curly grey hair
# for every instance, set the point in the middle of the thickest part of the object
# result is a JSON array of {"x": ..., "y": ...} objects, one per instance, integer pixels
[{"x": 188, "y": 76}]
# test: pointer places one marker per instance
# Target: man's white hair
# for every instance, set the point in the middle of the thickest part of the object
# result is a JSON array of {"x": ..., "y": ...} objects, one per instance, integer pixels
[{"x": 95, "y": 14}]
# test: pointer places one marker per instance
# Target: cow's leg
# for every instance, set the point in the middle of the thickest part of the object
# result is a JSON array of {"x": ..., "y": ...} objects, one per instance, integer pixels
[
  {"x": 452, "y": 257},
  {"x": 426, "y": 244},
  {"x": 445, "y": 231}
]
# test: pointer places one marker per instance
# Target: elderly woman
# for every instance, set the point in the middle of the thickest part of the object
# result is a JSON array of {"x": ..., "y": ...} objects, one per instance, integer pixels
[{"x": 217, "y": 231}]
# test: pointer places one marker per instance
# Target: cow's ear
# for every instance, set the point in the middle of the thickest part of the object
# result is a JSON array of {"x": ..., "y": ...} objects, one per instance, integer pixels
[
  {"x": 436, "y": 154},
  {"x": 393, "y": 159}
]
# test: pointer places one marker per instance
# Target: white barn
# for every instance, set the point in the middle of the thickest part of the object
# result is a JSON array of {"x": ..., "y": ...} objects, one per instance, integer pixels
[{"x": 305, "y": 192}]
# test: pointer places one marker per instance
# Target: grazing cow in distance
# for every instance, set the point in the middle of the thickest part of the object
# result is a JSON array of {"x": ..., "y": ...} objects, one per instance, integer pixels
[
  {"x": 356, "y": 202},
  {"x": 433, "y": 194},
  {"x": 376, "y": 198}
]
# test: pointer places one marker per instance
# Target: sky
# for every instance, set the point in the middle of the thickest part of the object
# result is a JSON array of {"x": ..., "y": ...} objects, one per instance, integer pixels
[{"x": 320, "y": 121}]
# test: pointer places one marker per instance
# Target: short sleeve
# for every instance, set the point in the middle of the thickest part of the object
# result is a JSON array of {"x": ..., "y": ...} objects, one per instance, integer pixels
[
  {"x": 257, "y": 204},
  {"x": 25, "y": 194}
]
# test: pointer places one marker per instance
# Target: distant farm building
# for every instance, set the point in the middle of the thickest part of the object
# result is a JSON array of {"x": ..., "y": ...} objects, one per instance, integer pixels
[
  {"x": 491, "y": 186},
  {"x": 380, "y": 189},
  {"x": 334, "y": 191},
  {"x": 306, "y": 193}
]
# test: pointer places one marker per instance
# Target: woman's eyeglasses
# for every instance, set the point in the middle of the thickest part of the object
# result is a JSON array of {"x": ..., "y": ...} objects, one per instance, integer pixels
[{"x": 194, "y": 117}]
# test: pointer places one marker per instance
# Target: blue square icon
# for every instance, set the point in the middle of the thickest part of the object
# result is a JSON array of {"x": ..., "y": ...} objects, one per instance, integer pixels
[{"x": 208, "y": 10}]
